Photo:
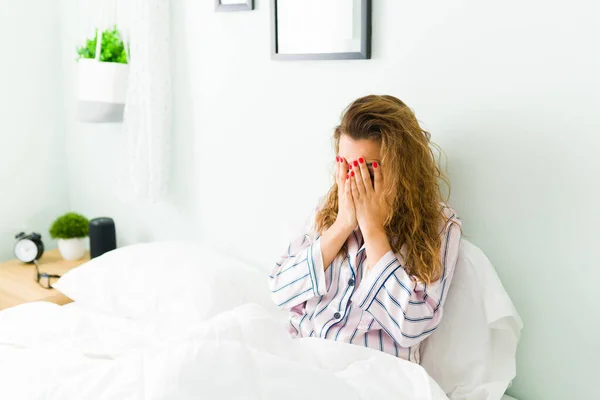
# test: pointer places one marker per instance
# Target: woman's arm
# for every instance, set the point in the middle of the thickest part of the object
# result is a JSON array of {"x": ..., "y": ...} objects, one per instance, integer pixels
[
  {"x": 406, "y": 310},
  {"x": 300, "y": 274},
  {"x": 332, "y": 241}
]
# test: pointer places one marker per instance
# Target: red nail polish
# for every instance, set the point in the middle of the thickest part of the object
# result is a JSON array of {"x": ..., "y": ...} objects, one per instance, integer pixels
[
  {"x": 355, "y": 163},
  {"x": 337, "y": 159},
  {"x": 361, "y": 160},
  {"x": 374, "y": 165},
  {"x": 352, "y": 173},
  {"x": 350, "y": 166},
  {"x": 347, "y": 176}
]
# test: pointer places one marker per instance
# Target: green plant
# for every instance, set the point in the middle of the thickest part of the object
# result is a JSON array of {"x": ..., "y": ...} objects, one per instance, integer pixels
[
  {"x": 71, "y": 225},
  {"x": 113, "y": 48}
]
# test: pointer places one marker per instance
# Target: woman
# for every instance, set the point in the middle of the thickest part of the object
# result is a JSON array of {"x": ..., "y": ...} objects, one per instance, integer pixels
[{"x": 378, "y": 267}]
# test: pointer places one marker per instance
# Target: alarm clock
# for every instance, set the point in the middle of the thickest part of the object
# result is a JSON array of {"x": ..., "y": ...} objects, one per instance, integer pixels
[{"x": 28, "y": 248}]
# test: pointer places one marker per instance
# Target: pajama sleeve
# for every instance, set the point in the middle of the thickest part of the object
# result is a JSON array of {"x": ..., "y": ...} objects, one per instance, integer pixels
[
  {"x": 299, "y": 275},
  {"x": 408, "y": 310}
]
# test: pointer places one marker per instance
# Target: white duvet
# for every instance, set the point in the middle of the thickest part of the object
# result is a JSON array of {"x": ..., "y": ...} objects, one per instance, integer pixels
[{"x": 51, "y": 352}]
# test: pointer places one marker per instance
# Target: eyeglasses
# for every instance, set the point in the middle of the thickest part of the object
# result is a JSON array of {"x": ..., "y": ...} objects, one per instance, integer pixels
[{"x": 43, "y": 279}]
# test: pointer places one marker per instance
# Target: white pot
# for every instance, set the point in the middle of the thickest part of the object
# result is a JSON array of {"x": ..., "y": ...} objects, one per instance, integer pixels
[
  {"x": 72, "y": 249},
  {"x": 102, "y": 90}
]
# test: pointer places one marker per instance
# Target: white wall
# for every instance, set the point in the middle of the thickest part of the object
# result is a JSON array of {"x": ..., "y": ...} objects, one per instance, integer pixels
[
  {"x": 509, "y": 89},
  {"x": 95, "y": 152},
  {"x": 32, "y": 157}
]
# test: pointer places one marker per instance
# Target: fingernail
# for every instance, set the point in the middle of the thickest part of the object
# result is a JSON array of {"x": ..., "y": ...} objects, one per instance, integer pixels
[
  {"x": 352, "y": 173},
  {"x": 361, "y": 160},
  {"x": 374, "y": 165},
  {"x": 355, "y": 163},
  {"x": 347, "y": 176},
  {"x": 350, "y": 166},
  {"x": 337, "y": 159}
]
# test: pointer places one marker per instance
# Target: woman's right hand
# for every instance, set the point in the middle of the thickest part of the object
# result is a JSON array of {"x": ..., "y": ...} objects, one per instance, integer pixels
[
  {"x": 346, "y": 217},
  {"x": 336, "y": 235}
]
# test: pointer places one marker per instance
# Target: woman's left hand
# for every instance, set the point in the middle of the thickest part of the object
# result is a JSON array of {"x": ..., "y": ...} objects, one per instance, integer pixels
[{"x": 371, "y": 209}]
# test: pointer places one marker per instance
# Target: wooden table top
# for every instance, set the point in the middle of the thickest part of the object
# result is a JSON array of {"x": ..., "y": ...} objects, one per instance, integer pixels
[{"x": 18, "y": 280}]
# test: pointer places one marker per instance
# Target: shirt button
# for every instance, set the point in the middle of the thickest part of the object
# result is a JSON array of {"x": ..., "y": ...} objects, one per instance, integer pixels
[
  {"x": 337, "y": 315},
  {"x": 351, "y": 282}
]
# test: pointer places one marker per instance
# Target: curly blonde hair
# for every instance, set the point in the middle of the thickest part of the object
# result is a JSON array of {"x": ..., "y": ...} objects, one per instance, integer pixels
[{"x": 411, "y": 176}]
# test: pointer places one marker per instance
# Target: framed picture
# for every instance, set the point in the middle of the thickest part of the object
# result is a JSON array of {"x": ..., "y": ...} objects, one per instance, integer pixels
[
  {"x": 320, "y": 29},
  {"x": 234, "y": 5}
]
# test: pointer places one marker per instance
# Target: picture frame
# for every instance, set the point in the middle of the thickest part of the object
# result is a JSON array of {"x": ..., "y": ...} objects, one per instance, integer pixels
[
  {"x": 234, "y": 5},
  {"x": 360, "y": 25}
]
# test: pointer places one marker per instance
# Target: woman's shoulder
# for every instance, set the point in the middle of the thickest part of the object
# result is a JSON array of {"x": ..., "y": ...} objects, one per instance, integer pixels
[{"x": 449, "y": 214}]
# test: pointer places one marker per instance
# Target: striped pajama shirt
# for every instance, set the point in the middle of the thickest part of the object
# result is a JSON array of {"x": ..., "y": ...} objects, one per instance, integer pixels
[{"x": 382, "y": 308}]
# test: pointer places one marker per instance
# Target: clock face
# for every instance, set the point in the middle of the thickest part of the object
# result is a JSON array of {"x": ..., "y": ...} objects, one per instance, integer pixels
[{"x": 26, "y": 250}]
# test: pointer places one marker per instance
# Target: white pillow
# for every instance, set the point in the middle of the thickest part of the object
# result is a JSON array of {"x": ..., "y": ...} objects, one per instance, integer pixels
[
  {"x": 472, "y": 353},
  {"x": 144, "y": 281}
]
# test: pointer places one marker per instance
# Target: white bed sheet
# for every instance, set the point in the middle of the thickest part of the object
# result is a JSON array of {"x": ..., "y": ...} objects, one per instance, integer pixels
[{"x": 51, "y": 352}]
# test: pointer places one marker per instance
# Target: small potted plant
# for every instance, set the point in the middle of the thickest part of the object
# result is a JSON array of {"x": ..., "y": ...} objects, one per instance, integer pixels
[
  {"x": 103, "y": 77},
  {"x": 71, "y": 230}
]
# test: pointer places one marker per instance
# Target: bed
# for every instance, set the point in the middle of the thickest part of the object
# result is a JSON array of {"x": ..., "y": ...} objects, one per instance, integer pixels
[{"x": 150, "y": 323}]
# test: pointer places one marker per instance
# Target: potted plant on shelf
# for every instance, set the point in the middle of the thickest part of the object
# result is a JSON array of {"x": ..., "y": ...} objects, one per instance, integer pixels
[
  {"x": 103, "y": 77},
  {"x": 71, "y": 230}
]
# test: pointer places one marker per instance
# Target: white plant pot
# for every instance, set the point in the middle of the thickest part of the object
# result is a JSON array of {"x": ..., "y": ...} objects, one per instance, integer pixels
[
  {"x": 102, "y": 90},
  {"x": 72, "y": 249}
]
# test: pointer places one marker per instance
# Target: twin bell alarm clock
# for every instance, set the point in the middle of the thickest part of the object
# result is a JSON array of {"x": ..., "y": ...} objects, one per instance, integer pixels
[{"x": 29, "y": 247}]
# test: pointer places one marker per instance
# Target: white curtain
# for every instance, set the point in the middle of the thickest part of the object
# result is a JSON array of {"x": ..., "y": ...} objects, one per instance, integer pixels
[{"x": 147, "y": 121}]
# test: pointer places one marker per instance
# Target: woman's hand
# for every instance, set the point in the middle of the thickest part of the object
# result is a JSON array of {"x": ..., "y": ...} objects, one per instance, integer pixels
[
  {"x": 371, "y": 210},
  {"x": 346, "y": 217},
  {"x": 334, "y": 238}
]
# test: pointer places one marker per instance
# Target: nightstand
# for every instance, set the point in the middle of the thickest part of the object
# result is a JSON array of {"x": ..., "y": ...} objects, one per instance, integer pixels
[{"x": 18, "y": 284}]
